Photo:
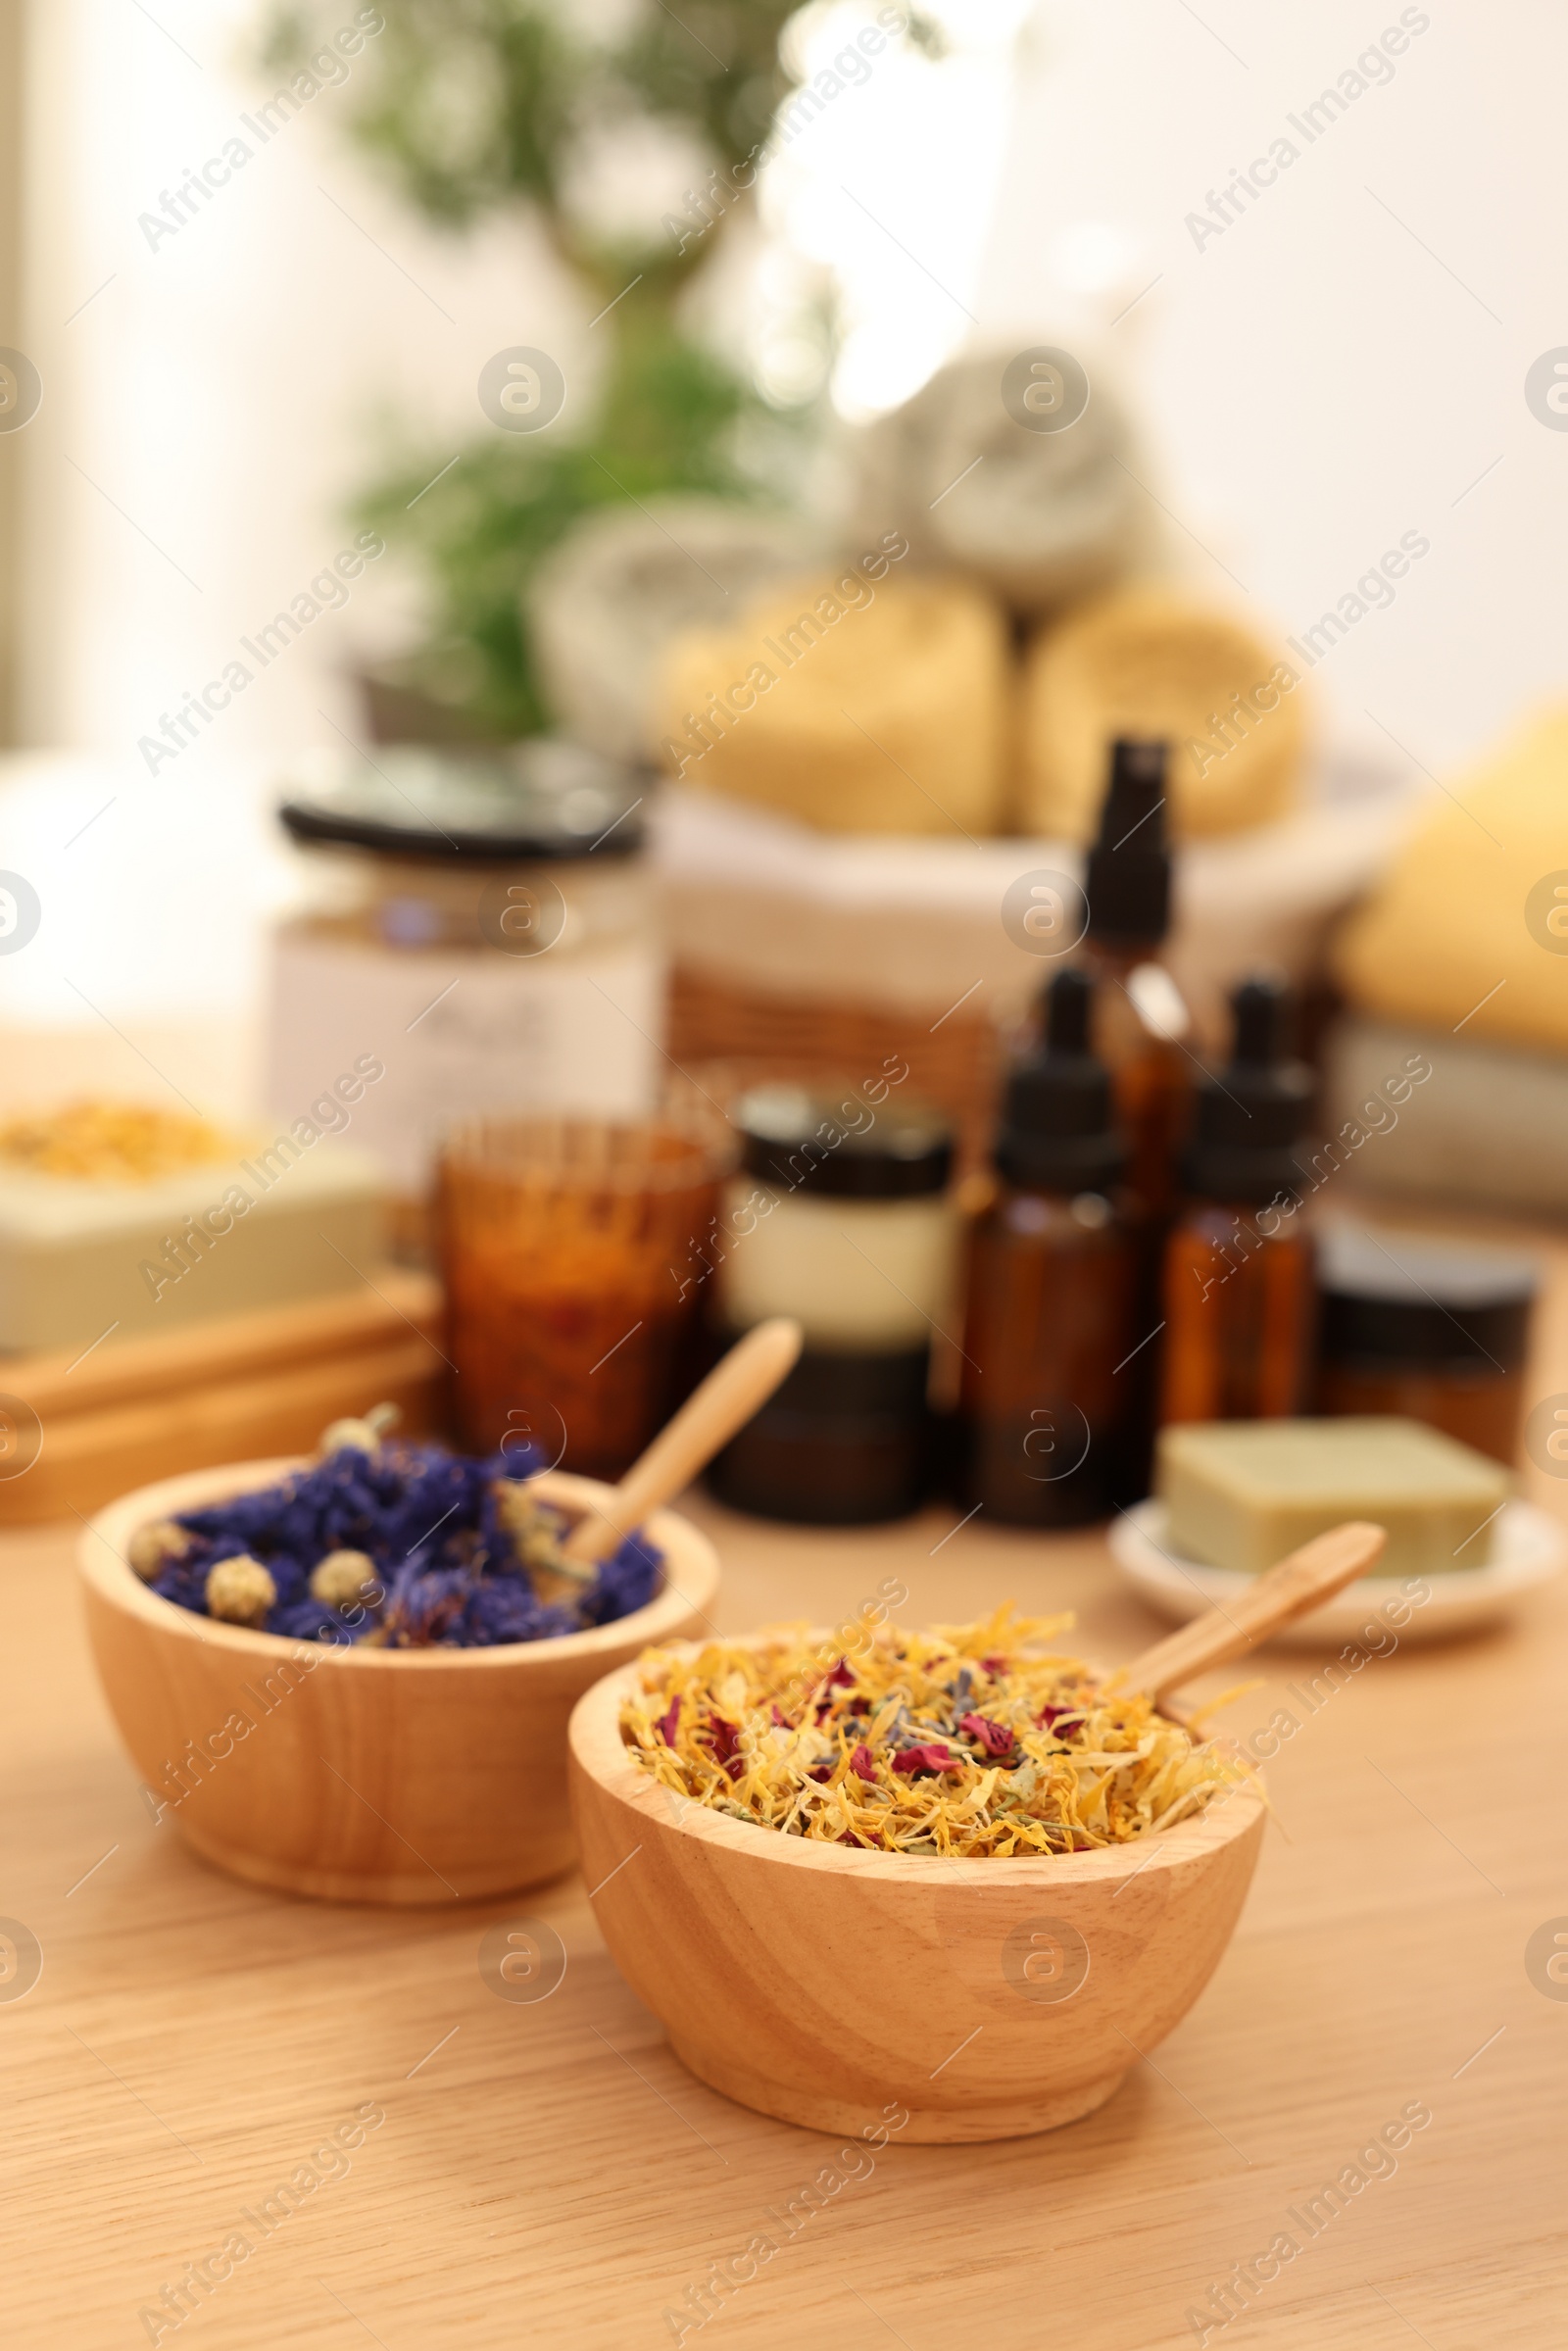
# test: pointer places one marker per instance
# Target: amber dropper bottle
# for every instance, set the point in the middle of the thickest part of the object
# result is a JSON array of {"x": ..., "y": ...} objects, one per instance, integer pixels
[
  {"x": 1140, "y": 1017},
  {"x": 1240, "y": 1295},
  {"x": 1052, "y": 1283}
]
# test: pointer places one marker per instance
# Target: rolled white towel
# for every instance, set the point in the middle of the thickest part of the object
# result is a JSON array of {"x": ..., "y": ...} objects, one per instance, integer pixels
[
  {"x": 627, "y": 580},
  {"x": 1040, "y": 517}
]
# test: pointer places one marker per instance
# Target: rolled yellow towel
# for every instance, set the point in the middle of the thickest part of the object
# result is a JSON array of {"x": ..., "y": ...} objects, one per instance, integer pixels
[
  {"x": 1469, "y": 930},
  {"x": 858, "y": 703},
  {"x": 1150, "y": 661}
]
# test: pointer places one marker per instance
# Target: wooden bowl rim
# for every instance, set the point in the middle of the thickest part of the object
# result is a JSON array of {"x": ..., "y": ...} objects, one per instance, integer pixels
[
  {"x": 594, "y": 1736},
  {"x": 103, "y": 1566}
]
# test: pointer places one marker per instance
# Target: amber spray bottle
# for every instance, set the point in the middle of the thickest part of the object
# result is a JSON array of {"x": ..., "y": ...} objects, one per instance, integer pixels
[
  {"x": 1239, "y": 1294},
  {"x": 1139, "y": 1016},
  {"x": 1052, "y": 1285},
  {"x": 1139, "y": 1026}
]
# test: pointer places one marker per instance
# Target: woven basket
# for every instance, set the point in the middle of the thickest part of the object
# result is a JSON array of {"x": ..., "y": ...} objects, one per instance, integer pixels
[{"x": 954, "y": 1062}]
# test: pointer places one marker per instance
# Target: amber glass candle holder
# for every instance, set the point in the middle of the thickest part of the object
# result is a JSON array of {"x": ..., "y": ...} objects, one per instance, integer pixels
[{"x": 568, "y": 1246}]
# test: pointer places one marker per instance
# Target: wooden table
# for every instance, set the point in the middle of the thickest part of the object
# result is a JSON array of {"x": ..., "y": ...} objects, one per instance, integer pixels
[{"x": 548, "y": 2173}]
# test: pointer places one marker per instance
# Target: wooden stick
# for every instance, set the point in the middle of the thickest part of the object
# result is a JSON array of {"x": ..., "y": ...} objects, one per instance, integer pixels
[
  {"x": 1300, "y": 1582},
  {"x": 735, "y": 1388}
]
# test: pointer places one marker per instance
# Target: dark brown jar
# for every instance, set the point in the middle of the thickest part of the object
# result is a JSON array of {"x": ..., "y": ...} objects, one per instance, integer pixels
[
  {"x": 1045, "y": 1397},
  {"x": 1239, "y": 1286},
  {"x": 1428, "y": 1330},
  {"x": 841, "y": 1216}
]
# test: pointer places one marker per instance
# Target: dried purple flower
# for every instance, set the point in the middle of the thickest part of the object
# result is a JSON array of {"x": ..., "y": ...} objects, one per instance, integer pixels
[{"x": 427, "y": 1524}]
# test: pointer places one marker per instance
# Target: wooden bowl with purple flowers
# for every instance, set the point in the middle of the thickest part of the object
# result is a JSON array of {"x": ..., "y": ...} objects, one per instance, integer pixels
[{"x": 352, "y": 1770}]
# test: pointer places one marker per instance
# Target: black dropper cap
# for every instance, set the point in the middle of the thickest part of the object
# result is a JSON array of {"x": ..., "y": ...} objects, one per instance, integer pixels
[
  {"x": 1249, "y": 1116},
  {"x": 1128, "y": 878},
  {"x": 1059, "y": 1130}
]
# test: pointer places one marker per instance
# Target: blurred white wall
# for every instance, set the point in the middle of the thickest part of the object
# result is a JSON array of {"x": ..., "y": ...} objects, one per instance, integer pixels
[
  {"x": 1347, "y": 361},
  {"x": 210, "y": 400},
  {"x": 1344, "y": 364}
]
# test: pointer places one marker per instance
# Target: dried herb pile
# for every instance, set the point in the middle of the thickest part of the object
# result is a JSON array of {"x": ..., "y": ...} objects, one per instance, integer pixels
[{"x": 969, "y": 1740}]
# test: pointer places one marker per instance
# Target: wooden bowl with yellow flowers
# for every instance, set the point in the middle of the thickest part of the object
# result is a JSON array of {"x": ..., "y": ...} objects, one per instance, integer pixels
[
  {"x": 957, "y": 1871},
  {"x": 326, "y": 1759}
]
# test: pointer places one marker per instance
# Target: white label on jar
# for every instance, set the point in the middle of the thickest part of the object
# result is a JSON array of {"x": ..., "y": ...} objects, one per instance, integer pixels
[
  {"x": 856, "y": 1273},
  {"x": 459, "y": 1034}
]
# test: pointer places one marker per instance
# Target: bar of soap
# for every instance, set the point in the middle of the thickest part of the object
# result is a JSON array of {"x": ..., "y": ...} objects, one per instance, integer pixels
[
  {"x": 80, "y": 1260},
  {"x": 1242, "y": 1493}
]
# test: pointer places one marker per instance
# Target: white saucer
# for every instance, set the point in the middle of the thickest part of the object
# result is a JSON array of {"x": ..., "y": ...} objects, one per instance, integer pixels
[{"x": 1528, "y": 1546}]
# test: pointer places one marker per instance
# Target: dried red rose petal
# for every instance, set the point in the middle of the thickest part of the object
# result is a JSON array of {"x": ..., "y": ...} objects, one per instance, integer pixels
[
  {"x": 863, "y": 1763},
  {"x": 994, "y": 1739},
  {"x": 821, "y": 1771},
  {"x": 669, "y": 1723},
  {"x": 928, "y": 1757},
  {"x": 1050, "y": 1716},
  {"x": 724, "y": 1737},
  {"x": 840, "y": 1678}
]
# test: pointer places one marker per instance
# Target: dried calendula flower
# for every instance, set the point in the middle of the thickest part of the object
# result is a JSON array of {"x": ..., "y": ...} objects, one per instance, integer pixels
[
  {"x": 110, "y": 1143},
  {"x": 240, "y": 1592},
  {"x": 537, "y": 1531},
  {"x": 969, "y": 1740},
  {"x": 345, "y": 1580},
  {"x": 152, "y": 1546}
]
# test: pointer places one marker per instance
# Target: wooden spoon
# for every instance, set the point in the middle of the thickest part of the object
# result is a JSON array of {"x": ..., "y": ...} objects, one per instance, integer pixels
[
  {"x": 736, "y": 1388},
  {"x": 1308, "y": 1577}
]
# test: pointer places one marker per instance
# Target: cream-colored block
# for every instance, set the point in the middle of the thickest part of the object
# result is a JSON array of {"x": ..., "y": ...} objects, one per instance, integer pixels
[
  {"x": 1242, "y": 1493},
  {"x": 858, "y": 708},
  {"x": 1149, "y": 662},
  {"x": 79, "y": 1259}
]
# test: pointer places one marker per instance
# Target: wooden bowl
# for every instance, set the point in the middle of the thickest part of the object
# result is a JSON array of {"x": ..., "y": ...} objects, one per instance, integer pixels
[
  {"x": 358, "y": 1774},
  {"x": 825, "y": 1984}
]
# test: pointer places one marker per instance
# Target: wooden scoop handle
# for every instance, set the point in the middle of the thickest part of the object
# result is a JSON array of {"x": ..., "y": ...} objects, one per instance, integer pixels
[
  {"x": 1300, "y": 1582},
  {"x": 736, "y": 1388}
]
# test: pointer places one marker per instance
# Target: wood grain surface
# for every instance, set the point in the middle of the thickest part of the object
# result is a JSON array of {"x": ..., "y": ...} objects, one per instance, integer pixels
[
  {"x": 546, "y": 2173},
  {"x": 231, "y": 1389}
]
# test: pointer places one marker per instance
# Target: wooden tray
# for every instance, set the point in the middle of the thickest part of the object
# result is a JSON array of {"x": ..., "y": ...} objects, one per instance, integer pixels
[{"x": 231, "y": 1389}]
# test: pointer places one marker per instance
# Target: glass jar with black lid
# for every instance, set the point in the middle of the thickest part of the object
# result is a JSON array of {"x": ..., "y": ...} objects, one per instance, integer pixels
[
  {"x": 485, "y": 923},
  {"x": 840, "y": 1215},
  {"x": 1434, "y": 1330}
]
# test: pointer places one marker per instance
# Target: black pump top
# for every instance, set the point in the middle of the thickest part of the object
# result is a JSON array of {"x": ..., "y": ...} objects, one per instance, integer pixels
[
  {"x": 1249, "y": 1116},
  {"x": 1128, "y": 877},
  {"x": 1059, "y": 1128}
]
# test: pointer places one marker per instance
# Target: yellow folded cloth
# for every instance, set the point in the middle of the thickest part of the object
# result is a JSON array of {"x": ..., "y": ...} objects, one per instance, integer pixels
[
  {"x": 1470, "y": 928},
  {"x": 1150, "y": 661},
  {"x": 856, "y": 704}
]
